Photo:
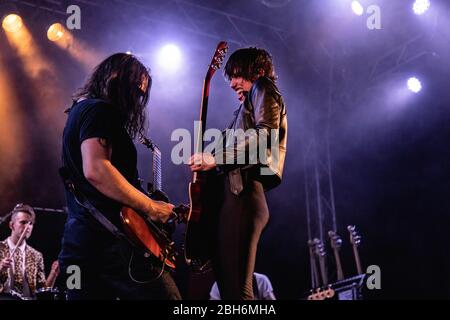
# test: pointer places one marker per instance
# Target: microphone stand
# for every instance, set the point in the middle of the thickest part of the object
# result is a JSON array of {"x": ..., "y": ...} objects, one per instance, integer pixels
[{"x": 5, "y": 217}]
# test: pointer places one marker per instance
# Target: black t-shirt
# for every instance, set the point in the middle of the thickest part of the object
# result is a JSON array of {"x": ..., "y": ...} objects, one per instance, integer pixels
[{"x": 93, "y": 118}]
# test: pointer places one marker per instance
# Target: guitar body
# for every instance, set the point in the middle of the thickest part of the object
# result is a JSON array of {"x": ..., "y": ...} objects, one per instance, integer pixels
[
  {"x": 148, "y": 236},
  {"x": 152, "y": 236},
  {"x": 200, "y": 226}
]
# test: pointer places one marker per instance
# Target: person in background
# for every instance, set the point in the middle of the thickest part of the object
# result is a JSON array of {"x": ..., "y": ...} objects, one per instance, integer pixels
[{"x": 22, "y": 273}]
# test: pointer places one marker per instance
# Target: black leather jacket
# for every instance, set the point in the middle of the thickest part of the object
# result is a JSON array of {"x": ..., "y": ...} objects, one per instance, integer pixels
[{"x": 264, "y": 111}]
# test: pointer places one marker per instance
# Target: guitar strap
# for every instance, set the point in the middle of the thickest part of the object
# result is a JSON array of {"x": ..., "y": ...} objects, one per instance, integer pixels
[
  {"x": 84, "y": 202},
  {"x": 108, "y": 225}
]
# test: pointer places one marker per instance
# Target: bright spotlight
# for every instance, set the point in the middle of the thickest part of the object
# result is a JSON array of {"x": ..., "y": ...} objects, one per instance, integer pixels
[
  {"x": 357, "y": 8},
  {"x": 12, "y": 23},
  {"x": 170, "y": 57},
  {"x": 414, "y": 85},
  {"x": 421, "y": 6},
  {"x": 55, "y": 32}
]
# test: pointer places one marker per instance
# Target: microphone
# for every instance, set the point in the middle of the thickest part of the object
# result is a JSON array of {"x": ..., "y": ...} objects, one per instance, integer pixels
[{"x": 50, "y": 210}]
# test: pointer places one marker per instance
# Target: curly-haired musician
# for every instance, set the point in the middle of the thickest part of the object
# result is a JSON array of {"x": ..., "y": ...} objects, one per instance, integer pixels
[{"x": 101, "y": 159}]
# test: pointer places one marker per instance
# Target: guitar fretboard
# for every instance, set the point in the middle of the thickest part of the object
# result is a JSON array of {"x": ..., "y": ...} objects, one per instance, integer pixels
[{"x": 157, "y": 171}]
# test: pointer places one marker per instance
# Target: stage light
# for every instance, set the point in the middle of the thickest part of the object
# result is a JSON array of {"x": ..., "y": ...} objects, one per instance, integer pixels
[
  {"x": 12, "y": 23},
  {"x": 421, "y": 6},
  {"x": 128, "y": 52},
  {"x": 55, "y": 32},
  {"x": 170, "y": 57},
  {"x": 414, "y": 85},
  {"x": 357, "y": 8}
]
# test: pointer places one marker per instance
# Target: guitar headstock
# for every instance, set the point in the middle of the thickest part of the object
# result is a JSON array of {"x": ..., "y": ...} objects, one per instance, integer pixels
[
  {"x": 319, "y": 248},
  {"x": 217, "y": 59},
  {"x": 146, "y": 142},
  {"x": 355, "y": 237},
  {"x": 335, "y": 239}
]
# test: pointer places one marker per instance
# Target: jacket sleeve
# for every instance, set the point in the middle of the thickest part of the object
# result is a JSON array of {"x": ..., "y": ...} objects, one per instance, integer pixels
[
  {"x": 4, "y": 273},
  {"x": 40, "y": 276},
  {"x": 265, "y": 106}
]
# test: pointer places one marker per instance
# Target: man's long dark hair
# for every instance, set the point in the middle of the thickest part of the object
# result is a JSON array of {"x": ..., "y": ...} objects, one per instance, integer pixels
[
  {"x": 250, "y": 63},
  {"x": 117, "y": 80}
]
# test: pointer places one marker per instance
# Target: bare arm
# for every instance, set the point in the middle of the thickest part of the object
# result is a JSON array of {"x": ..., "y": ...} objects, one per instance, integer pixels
[
  {"x": 54, "y": 272},
  {"x": 99, "y": 171}
]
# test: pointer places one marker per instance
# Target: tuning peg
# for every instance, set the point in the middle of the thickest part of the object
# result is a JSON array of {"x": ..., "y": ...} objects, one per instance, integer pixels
[{"x": 329, "y": 293}]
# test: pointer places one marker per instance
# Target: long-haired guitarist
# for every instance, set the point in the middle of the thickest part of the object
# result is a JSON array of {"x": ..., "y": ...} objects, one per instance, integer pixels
[
  {"x": 100, "y": 157},
  {"x": 243, "y": 209}
]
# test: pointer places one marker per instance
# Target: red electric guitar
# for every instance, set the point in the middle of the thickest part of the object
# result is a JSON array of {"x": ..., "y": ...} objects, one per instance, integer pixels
[
  {"x": 198, "y": 230},
  {"x": 153, "y": 236}
]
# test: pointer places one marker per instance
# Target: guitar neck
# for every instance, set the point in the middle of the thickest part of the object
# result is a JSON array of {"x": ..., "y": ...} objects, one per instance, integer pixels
[
  {"x": 355, "y": 240},
  {"x": 314, "y": 271},
  {"x": 214, "y": 65},
  {"x": 199, "y": 142},
  {"x": 321, "y": 254},
  {"x": 156, "y": 169},
  {"x": 357, "y": 260},
  {"x": 340, "y": 273},
  {"x": 323, "y": 270}
]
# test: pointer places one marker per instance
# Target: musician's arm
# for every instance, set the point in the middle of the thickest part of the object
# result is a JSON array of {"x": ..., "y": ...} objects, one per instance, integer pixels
[
  {"x": 100, "y": 172},
  {"x": 54, "y": 272},
  {"x": 4, "y": 270}
]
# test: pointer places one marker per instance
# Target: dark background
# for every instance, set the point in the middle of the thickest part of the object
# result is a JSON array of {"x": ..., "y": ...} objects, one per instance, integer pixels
[{"x": 389, "y": 148}]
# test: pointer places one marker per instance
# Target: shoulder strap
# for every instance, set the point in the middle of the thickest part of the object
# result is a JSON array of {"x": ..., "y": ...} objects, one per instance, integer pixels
[{"x": 84, "y": 202}]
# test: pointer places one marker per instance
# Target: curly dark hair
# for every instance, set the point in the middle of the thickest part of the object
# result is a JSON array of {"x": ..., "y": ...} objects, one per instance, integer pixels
[
  {"x": 250, "y": 63},
  {"x": 118, "y": 80}
]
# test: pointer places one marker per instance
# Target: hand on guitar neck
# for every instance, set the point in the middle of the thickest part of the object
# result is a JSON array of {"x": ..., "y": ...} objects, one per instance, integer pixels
[
  {"x": 160, "y": 211},
  {"x": 202, "y": 162}
]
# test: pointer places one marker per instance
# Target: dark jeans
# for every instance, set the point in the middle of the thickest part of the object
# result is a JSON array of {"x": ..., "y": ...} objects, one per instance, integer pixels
[
  {"x": 241, "y": 221},
  {"x": 107, "y": 277}
]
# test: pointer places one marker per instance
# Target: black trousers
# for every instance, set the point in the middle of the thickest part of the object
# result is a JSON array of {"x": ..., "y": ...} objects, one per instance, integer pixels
[
  {"x": 241, "y": 221},
  {"x": 118, "y": 272}
]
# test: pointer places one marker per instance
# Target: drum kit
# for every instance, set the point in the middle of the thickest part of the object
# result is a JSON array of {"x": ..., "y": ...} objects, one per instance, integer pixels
[{"x": 43, "y": 294}]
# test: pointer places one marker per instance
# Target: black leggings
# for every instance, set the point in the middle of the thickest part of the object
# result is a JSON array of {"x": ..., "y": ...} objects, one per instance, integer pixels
[{"x": 240, "y": 223}]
